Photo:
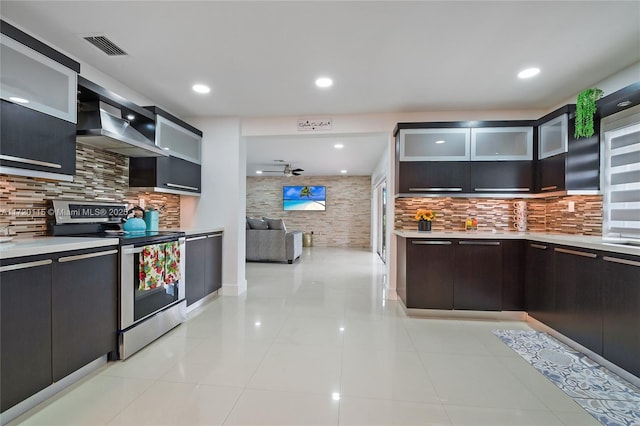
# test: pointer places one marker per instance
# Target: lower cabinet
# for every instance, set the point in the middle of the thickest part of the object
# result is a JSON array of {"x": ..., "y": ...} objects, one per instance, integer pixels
[
  {"x": 621, "y": 334},
  {"x": 477, "y": 282},
  {"x": 578, "y": 296},
  {"x": 460, "y": 274},
  {"x": 203, "y": 274},
  {"x": 540, "y": 296},
  {"x": 25, "y": 322},
  {"x": 58, "y": 313},
  {"x": 428, "y": 274},
  {"x": 84, "y": 309}
]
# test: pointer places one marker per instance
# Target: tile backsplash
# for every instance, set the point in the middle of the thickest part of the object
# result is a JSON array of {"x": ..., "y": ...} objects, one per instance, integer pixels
[
  {"x": 543, "y": 214},
  {"x": 100, "y": 176}
]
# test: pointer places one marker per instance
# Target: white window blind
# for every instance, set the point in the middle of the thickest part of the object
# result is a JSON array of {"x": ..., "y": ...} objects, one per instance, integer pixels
[{"x": 622, "y": 182}]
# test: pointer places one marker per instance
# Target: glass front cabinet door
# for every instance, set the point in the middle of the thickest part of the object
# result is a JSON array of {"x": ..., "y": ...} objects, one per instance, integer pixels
[
  {"x": 435, "y": 144},
  {"x": 553, "y": 137},
  {"x": 502, "y": 143},
  {"x": 180, "y": 142},
  {"x": 33, "y": 80}
]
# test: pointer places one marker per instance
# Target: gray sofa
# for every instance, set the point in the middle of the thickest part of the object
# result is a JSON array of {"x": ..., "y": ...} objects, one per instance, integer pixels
[{"x": 273, "y": 243}]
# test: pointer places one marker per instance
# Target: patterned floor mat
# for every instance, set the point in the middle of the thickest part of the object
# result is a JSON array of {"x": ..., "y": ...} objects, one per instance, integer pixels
[{"x": 606, "y": 396}]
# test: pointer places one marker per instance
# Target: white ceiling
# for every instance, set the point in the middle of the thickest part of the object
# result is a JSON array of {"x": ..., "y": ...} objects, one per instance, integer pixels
[{"x": 261, "y": 58}]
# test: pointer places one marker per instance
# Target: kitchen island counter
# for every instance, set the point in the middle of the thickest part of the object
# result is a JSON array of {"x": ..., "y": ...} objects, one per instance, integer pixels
[{"x": 19, "y": 247}]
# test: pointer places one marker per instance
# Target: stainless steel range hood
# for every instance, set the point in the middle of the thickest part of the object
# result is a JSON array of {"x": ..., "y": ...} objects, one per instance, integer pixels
[{"x": 100, "y": 125}]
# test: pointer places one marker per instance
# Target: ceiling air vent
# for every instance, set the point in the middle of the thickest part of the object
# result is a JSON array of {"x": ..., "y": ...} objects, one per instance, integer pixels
[{"x": 106, "y": 45}]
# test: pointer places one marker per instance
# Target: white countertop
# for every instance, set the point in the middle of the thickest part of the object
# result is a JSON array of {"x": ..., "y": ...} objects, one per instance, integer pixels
[
  {"x": 42, "y": 245},
  {"x": 587, "y": 242},
  {"x": 195, "y": 231}
]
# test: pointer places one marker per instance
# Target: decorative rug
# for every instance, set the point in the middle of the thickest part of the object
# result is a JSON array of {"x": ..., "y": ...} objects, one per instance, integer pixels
[{"x": 606, "y": 396}]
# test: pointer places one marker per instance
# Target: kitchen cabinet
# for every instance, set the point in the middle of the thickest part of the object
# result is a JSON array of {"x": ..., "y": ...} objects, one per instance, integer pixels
[
  {"x": 477, "y": 282},
  {"x": 203, "y": 266},
  {"x": 84, "y": 309},
  {"x": 38, "y": 113},
  {"x": 429, "y": 281},
  {"x": 433, "y": 177},
  {"x": 564, "y": 162},
  {"x": 501, "y": 176},
  {"x": 502, "y": 143},
  {"x": 58, "y": 313},
  {"x": 540, "y": 282},
  {"x": 180, "y": 172},
  {"x": 451, "y": 144},
  {"x": 25, "y": 322},
  {"x": 578, "y": 296},
  {"x": 513, "y": 275},
  {"x": 621, "y": 311}
]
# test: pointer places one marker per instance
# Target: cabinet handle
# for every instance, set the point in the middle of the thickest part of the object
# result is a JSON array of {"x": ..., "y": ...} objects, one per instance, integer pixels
[
  {"x": 501, "y": 189},
  {"x": 175, "y": 185},
  {"x": 431, "y": 243},
  {"x": 549, "y": 188},
  {"x": 538, "y": 246},
  {"x": 623, "y": 261},
  {"x": 214, "y": 235},
  {"x": 479, "y": 243},
  {"x": 25, "y": 265},
  {"x": 577, "y": 253},
  {"x": 30, "y": 161},
  {"x": 197, "y": 238},
  {"x": 86, "y": 256},
  {"x": 435, "y": 189},
  {"x": 133, "y": 250}
]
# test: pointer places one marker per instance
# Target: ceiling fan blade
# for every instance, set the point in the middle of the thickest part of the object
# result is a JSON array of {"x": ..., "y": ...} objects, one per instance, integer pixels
[
  {"x": 295, "y": 173},
  {"x": 272, "y": 171},
  {"x": 298, "y": 170}
]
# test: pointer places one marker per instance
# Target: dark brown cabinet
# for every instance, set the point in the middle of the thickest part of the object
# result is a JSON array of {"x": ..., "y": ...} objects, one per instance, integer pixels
[
  {"x": 429, "y": 278},
  {"x": 203, "y": 268},
  {"x": 167, "y": 173},
  {"x": 513, "y": 274},
  {"x": 58, "y": 313},
  {"x": 501, "y": 176},
  {"x": 25, "y": 322},
  {"x": 621, "y": 333},
  {"x": 540, "y": 282},
  {"x": 579, "y": 296},
  {"x": 477, "y": 282},
  {"x": 433, "y": 177},
  {"x": 84, "y": 309}
]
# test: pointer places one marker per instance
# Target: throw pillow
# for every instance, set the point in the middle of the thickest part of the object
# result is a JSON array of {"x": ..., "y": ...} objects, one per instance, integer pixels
[
  {"x": 275, "y": 223},
  {"x": 257, "y": 223}
]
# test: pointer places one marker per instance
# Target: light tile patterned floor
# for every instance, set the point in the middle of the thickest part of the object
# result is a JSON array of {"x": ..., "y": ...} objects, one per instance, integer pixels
[
  {"x": 606, "y": 396},
  {"x": 317, "y": 343}
]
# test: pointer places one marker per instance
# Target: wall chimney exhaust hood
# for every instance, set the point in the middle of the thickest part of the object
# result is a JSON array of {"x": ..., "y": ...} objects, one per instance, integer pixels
[{"x": 101, "y": 125}]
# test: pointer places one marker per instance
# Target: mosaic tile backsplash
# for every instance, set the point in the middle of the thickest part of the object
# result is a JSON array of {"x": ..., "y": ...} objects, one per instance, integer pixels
[
  {"x": 543, "y": 214},
  {"x": 100, "y": 176}
]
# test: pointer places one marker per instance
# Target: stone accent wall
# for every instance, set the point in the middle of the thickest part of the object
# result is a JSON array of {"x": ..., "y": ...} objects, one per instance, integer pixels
[
  {"x": 100, "y": 176},
  {"x": 544, "y": 214},
  {"x": 345, "y": 223}
]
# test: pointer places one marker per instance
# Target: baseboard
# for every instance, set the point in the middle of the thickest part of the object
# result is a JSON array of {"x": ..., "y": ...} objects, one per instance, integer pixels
[{"x": 458, "y": 314}]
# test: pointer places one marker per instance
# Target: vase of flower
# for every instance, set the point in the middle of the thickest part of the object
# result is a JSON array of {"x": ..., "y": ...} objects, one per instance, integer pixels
[
  {"x": 424, "y": 218},
  {"x": 424, "y": 225}
]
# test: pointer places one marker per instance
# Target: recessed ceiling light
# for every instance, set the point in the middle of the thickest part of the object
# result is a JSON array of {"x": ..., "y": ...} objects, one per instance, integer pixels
[
  {"x": 529, "y": 72},
  {"x": 18, "y": 100},
  {"x": 258, "y": 172},
  {"x": 131, "y": 117},
  {"x": 335, "y": 396},
  {"x": 624, "y": 104},
  {"x": 200, "y": 88},
  {"x": 343, "y": 171},
  {"x": 324, "y": 82},
  {"x": 439, "y": 142},
  {"x": 338, "y": 146}
]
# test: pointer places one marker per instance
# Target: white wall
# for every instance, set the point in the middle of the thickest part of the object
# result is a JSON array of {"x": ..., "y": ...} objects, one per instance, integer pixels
[{"x": 223, "y": 196}]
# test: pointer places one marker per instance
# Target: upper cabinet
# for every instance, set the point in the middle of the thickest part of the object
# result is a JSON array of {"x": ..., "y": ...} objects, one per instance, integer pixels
[
  {"x": 502, "y": 143},
  {"x": 38, "y": 117},
  {"x": 35, "y": 81},
  {"x": 553, "y": 136},
  {"x": 435, "y": 144},
  {"x": 180, "y": 172}
]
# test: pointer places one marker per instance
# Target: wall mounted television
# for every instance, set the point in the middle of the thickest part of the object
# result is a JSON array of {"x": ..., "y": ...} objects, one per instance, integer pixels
[{"x": 307, "y": 198}]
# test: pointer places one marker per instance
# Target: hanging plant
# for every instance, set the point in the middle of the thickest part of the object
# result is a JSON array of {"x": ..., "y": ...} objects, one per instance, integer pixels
[{"x": 585, "y": 110}]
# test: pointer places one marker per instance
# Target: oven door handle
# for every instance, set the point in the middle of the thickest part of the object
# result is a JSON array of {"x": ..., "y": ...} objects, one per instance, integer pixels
[{"x": 133, "y": 250}]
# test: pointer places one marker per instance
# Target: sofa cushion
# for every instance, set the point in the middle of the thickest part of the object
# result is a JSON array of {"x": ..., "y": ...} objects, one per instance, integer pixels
[
  {"x": 257, "y": 223},
  {"x": 275, "y": 223}
]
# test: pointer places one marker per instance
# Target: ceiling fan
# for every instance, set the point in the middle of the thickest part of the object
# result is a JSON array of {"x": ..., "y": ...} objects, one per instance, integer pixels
[{"x": 288, "y": 170}]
